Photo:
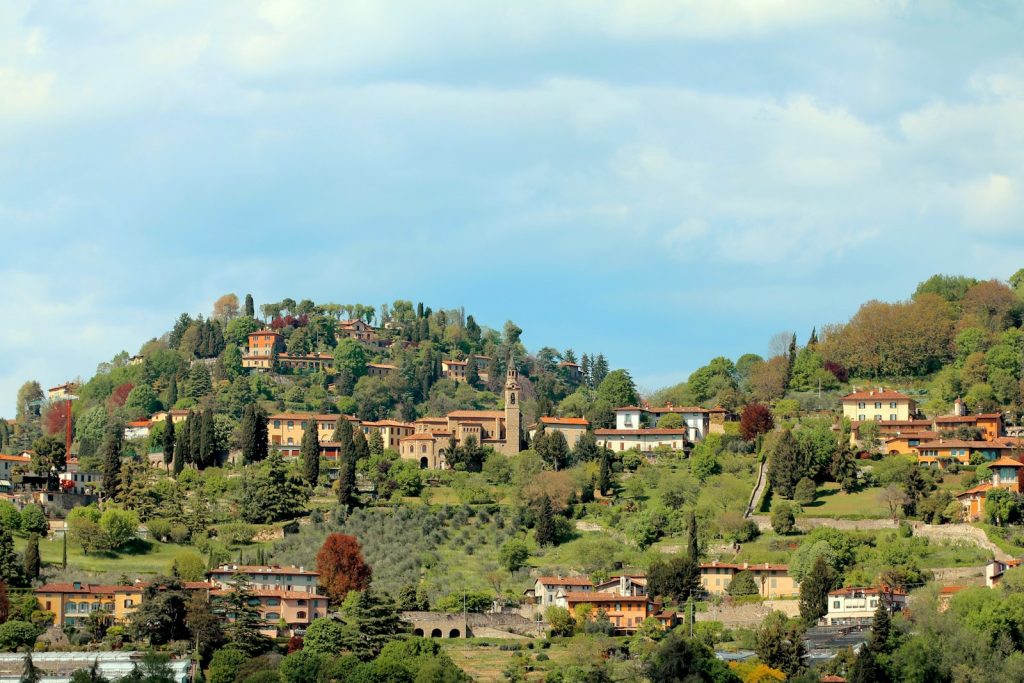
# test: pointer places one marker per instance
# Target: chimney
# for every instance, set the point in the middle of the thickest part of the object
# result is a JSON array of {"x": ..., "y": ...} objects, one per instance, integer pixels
[
  {"x": 77, "y": 585},
  {"x": 746, "y": 566}
]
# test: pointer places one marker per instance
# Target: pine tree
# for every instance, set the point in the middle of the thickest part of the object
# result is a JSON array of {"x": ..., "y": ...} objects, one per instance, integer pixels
[
  {"x": 168, "y": 442},
  {"x": 32, "y": 565},
  {"x": 243, "y": 632},
  {"x": 371, "y": 622},
  {"x": 207, "y": 439},
  {"x": 29, "y": 673},
  {"x": 545, "y": 527},
  {"x": 783, "y": 464},
  {"x": 10, "y": 564},
  {"x": 812, "y": 341},
  {"x": 599, "y": 370},
  {"x": 111, "y": 452},
  {"x": 868, "y": 668},
  {"x": 604, "y": 480},
  {"x": 250, "y": 308},
  {"x": 311, "y": 453},
  {"x": 814, "y": 591},
  {"x": 585, "y": 375}
]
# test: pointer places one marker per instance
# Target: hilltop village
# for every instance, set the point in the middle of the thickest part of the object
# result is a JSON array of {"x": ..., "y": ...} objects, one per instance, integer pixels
[{"x": 340, "y": 492}]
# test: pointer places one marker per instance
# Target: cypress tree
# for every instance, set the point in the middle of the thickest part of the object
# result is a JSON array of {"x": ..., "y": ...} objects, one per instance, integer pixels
[
  {"x": 311, "y": 453},
  {"x": 64, "y": 552},
  {"x": 207, "y": 439},
  {"x": 868, "y": 668},
  {"x": 172, "y": 392},
  {"x": 31, "y": 557},
  {"x": 111, "y": 450},
  {"x": 694, "y": 547},
  {"x": 29, "y": 672},
  {"x": 195, "y": 439},
  {"x": 360, "y": 447},
  {"x": 262, "y": 436},
  {"x": 250, "y": 308},
  {"x": 168, "y": 441},
  {"x": 791, "y": 357},
  {"x": 248, "y": 429},
  {"x": 179, "y": 454},
  {"x": 784, "y": 464},
  {"x": 376, "y": 443},
  {"x": 814, "y": 591},
  {"x": 604, "y": 480},
  {"x": 545, "y": 527}
]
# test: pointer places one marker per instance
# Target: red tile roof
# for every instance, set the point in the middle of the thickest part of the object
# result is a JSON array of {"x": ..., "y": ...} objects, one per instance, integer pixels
[
  {"x": 273, "y": 593},
  {"x": 957, "y": 443},
  {"x": 762, "y": 566},
  {"x": 682, "y": 431},
  {"x": 980, "y": 488},
  {"x": 388, "y": 423},
  {"x": 583, "y": 422},
  {"x": 876, "y": 395},
  {"x": 866, "y": 591},
  {"x": 1006, "y": 462},
  {"x": 476, "y": 414},
  {"x": 263, "y": 569},
  {"x": 969, "y": 418},
  {"x": 593, "y": 596},
  {"x": 564, "y": 581}
]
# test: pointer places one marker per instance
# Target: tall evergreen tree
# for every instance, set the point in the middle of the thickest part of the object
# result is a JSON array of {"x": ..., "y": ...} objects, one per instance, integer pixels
[
  {"x": 869, "y": 667},
  {"x": 172, "y": 392},
  {"x": 207, "y": 439},
  {"x": 472, "y": 373},
  {"x": 693, "y": 541},
  {"x": 791, "y": 358},
  {"x": 178, "y": 464},
  {"x": 604, "y": 478},
  {"x": 346, "y": 462},
  {"x": 29, "y": 672},
  {"x": 545, "y": 526},
  {"x": 599, "y": 370},
  {"x": 360, "y": 447},
  {"x": 311, "y": 453},
  {"x": 249, "y": 438},
  {"x": 814, "y": 591},
  {"x": 195, "y": 438},
  {"x": 262, "y": 435},
  {"x": 250, "y": 308},
  {"x": 585, "y": 374},
  {"x": 812, "y": 341},
  {"x": 168, "y": 441},
  {"x": 113, "y": 441},
  {"x": 11, "y": 570},
  {"x": 244, "y": 631},
  {"x": 376, "y": 442},
  {"x": 371, "y": 622},
  {"x": 784, "y": 464},
  {"x": 31, "y": 557}
]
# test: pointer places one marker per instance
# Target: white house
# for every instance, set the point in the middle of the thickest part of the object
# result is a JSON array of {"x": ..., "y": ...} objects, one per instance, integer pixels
[
  {"x": 139, "y": 429},
  {"x": 551, "y": 590},
  {"x": 572, "y": 428},
  {"x": 642, "y": 439},
  {"x": 696, "y": 419},
  {"x": 856, "y": 606},
  {"x": 994, "y": 571}
]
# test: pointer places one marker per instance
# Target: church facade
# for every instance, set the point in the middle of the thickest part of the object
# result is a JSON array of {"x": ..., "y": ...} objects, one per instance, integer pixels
[{"x": 499, "y": 429}]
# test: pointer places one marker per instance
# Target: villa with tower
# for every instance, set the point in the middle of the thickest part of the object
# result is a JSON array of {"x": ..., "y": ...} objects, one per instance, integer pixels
[{"x": 499, "y": 429}]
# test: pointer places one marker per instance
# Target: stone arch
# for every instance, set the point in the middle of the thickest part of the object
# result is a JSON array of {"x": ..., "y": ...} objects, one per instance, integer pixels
[
  {"x": 424, "y": 463},
  {"x": 418, "y": 633},
  {"x": 454, "y": 633},
  {"x": 436, "y": 633}
]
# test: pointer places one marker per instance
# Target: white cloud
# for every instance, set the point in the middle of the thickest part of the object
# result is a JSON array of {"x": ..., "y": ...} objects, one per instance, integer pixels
[{"x": 994, "y": 204}]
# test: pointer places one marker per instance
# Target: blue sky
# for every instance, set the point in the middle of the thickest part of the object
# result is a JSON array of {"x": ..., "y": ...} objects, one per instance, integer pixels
[{"x": 663, "y": 182}]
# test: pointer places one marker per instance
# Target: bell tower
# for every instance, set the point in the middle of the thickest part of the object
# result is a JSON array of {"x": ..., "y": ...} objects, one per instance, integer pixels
[{"x": 513, "y": 416}]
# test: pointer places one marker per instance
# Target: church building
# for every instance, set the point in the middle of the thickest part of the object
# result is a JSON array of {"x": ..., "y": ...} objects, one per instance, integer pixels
[{"x": 499, "y": 429}]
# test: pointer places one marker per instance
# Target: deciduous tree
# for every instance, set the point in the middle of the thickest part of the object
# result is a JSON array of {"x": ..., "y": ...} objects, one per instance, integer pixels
[
  {"x": 756, "y": 419},
  {"x": 341, "y": 566}
]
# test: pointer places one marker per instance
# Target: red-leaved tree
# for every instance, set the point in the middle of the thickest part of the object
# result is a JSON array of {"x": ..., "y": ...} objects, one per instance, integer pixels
[
  {"x": 120, "y": 395},
  {"x": 54, "y": 420},
  {"x": 341, "y": 566},
  {"x": 755, "y": 420}
]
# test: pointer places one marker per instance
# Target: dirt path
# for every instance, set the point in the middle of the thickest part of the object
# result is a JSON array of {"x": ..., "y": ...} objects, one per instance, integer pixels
[{"x": 755, "y": 496}]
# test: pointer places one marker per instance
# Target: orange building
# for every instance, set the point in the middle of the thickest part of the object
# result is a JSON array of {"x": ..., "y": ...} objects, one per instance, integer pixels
[
  {"x": 941, "y": 452},
  {"x": 626, "y": 612},
  {"x": 906, "y": 443},
  {"x": 72, "y": 603},
  {"x": 1005, "y": 474},
  {"x": 263, "y": 345},
  {"x": 572, "y": 428},
  {"x": 990, "y": 424}
]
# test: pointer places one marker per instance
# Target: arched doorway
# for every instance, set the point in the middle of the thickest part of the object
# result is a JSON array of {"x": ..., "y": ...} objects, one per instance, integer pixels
[
  {"x": 424, "y": 463},
  {"x": 436, "y": 633},
  {"x": 454, "y": 633},
  {"x": 418, "y": 633}
]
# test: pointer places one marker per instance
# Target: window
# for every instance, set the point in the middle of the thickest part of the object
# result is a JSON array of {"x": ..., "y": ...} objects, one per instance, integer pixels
[
  {"x": 290, "y": 424},
  {"x": 48, "y": 606},
  {"x": 892, "y": 416},
  {"x": 835, "y": 604},
  {"x": 277, "y": 424},
  {"x": 862, "y": 418},
  {"x": 273, "y": 616},
  {"x": 70, "y": 607},
  {"x": 861, "y": 404},
  {"x": 628, "y": 421},
  {"x": 878, "y": 404},
  {"x": 892, "y": 404},
  {"x": 128, "y": 602},
  {"x": 273, "y": 602},
  {"x": 300, "y": 615},
  {"x": 874, "y": 603},
  {"x": 878, "y": 418}
]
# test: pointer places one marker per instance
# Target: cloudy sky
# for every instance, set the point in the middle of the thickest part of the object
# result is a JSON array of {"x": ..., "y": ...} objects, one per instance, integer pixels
[{"x": 660, "y": 181}]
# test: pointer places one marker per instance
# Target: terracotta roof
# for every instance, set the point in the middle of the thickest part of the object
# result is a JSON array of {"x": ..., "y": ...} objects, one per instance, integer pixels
[
  {"x": 957, "y": 443},
  {"x": 421, "y": 436},
  {"x": 615, "y": 410},
  {"x": 99, "y": 589},
  {"x": 876, "y": 395},
  {"x": 677, "y": 409},
  {"x": 583, "y": 422},
  {"x": 980, "y": 488},
  {"x": 969, "y": 418},
  {"x": 567, "y": 364},
  {"x": 593, "y": 596},
  {"x": 894, "y": 423},
  {"x": 139, "y": 423},
  {"x": 477, "y": 413},
  {"x": 388, "y": 423},
  {"x": 912, "y": 435},
  {"x": 262, "y": 569},
  {"x": 832, "y": 678},
  {"x": 273, "y": 593},
  {"x": 454, "y": 362},
  {"x": 383, "y": 366},
  {"x": 16, "y": 458},
  {"x": 949, "y": 590},
  {"x": 321, "y": 417},
  {"x": 682, "y": 431},
  {"x": 564, "y": 581},
  {"x": 1006, "y": 462},
  {"x": 749, "y": 567},
  {"x": 867, "y": 591}
]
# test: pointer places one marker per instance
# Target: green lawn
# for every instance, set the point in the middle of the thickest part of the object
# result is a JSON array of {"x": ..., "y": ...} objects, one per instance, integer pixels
[
  {"x": 832, "y": 502},
  {"x": 151, "y": 558}
]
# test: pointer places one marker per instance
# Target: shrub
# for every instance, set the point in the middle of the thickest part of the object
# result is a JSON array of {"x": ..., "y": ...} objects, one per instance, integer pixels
[
  {"x": 15, "y": 634},
  {"x": 783, "y": 519},
  {"x": 805, "y": 491},
  {"x": 159, "y": 529},
  {"x": 237, "y": 533},
  {"x": 33, "y": 520},
  {"x": 10, "y": 518},
  {"x": 179, "y": 534},
  {"x": 514, "y": 554}
]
